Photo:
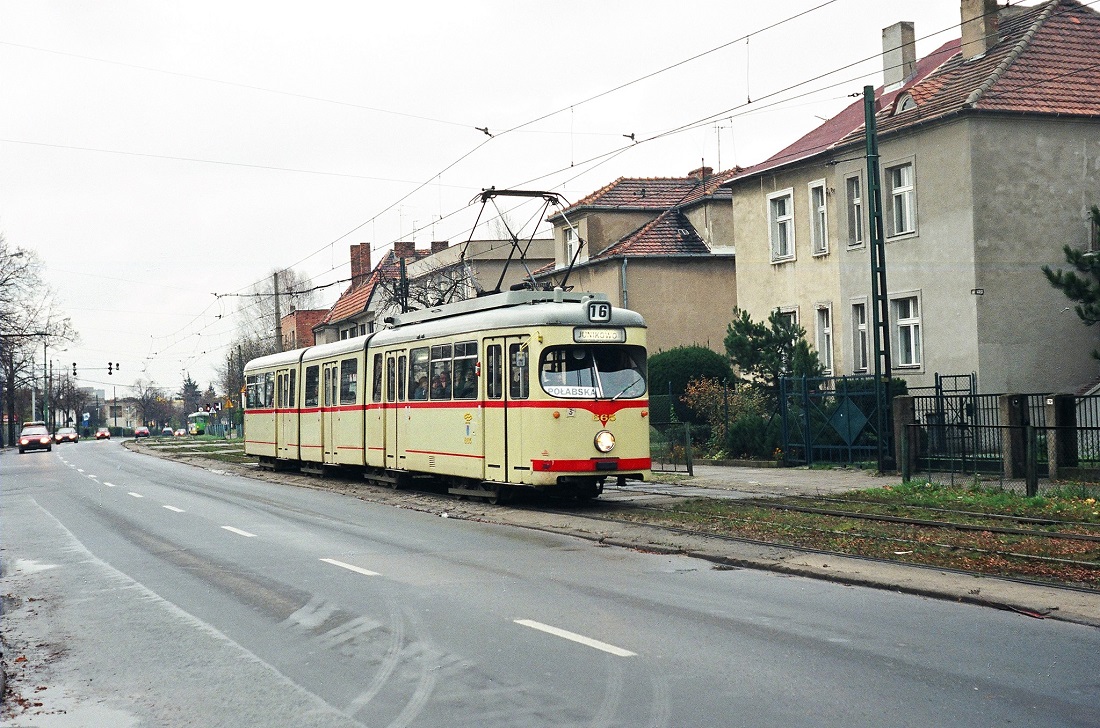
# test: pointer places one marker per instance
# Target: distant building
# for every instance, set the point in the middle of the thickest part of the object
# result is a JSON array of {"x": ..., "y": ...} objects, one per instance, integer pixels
[{"x": 297, "y": 327}]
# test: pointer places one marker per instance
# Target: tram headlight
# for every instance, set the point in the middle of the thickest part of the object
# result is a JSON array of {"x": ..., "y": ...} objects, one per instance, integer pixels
[{"x": 605, "y": 441}]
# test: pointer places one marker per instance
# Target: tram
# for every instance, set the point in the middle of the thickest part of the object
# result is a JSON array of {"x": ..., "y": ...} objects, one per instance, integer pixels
[{"x": 522, "y": 389}]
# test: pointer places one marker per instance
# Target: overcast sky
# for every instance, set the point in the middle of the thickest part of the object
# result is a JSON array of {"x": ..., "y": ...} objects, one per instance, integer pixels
[{"x": 157, "y": 153}]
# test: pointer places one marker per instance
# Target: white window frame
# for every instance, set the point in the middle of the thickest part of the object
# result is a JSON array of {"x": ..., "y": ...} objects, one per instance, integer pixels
[
  {"x": 903, "y": 199},
  {"x": 907, "y": 332},
  {"x": 853, "y": 205},
  {"x": 819, "y": 217},
  {"x": 823, "y": 319},
  {"x": 778, "y": 223},
  {"x": 569, "y": 239},
  {"x": 861, "y": 346}
]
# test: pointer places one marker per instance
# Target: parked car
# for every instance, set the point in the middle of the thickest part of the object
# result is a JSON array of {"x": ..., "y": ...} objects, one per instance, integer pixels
[
  {"x": 35, "y": 437},
  {"x": 167, "y": 432},
  {"x": 103, "y": 433},
  {"x": 141, "y": 432},
  {"x": 66, "y": 434}
]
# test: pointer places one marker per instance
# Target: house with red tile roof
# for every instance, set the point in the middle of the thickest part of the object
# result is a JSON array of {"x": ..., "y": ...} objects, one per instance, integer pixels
[
  {"x": 660, "y": 246},
  {"x": 989, "y": 159}
]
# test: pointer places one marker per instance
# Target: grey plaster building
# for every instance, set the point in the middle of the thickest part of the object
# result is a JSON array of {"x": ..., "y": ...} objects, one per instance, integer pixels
[{"x": 989, "y": 161}]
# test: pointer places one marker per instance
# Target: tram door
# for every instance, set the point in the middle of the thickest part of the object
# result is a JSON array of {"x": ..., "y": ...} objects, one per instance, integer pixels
[
  {"x": 508, "y": 384},
  {"x": 330, "y": 401},
  {"x": 397, "y": 410},
  {"x": 286, "y": 420}
]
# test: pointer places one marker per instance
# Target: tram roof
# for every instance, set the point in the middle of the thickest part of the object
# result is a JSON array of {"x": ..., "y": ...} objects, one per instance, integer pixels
[{"x": 503, "y": 310}]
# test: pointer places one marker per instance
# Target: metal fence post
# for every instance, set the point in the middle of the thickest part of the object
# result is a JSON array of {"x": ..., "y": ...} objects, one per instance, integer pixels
[
  {"x": 905, "y": 453},
  {"x": 1032, "y": 461},
  {"x": 687, "y": 449}
]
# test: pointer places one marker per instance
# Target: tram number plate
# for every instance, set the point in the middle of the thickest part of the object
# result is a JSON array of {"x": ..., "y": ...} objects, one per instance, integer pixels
[{"x": 599, "y": 312}]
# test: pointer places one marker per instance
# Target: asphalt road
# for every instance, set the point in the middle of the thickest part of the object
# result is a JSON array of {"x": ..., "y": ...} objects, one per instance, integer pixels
[{"x": 143, "y": 592}]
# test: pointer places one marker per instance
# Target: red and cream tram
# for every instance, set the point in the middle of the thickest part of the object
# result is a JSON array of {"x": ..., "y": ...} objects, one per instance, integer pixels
[{"x": 543, "y": 389}]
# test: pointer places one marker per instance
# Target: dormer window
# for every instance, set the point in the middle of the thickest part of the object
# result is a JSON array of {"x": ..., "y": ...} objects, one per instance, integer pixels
[{"x": 905, "y": 103}]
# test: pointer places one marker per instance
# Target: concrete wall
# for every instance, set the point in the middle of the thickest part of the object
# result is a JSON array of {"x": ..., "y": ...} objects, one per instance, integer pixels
[{"x": 1039, "y": 177}]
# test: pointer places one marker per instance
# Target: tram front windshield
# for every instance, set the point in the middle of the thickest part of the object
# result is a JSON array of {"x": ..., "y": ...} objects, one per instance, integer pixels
[{"x": 593, "y": 372}]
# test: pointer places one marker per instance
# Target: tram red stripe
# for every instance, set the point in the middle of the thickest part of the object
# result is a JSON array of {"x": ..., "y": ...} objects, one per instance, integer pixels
[{"x": 589, "y": 466}]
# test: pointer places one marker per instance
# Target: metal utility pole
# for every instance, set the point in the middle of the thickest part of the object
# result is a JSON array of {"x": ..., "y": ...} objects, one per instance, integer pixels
[
  {"x": 880, "y": 302},
  {"x": 278, "y": 316}
]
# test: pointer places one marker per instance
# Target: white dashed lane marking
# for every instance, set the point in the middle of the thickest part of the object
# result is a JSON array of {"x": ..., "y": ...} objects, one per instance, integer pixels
[
  {"x": 349, "y": 567},
  {"x": 239, "y": 532},
  {"x": 573, "y": 636},
  {"x": 136, "y": 495},
  {"x": 109, "y": 485},
  {"x": 174, "y": 509}
]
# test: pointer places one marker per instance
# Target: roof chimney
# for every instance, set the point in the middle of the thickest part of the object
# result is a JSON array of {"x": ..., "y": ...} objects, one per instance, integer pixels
[
  {"x": 440, "y": 245},
  {"x": 979, "y": 27},
  {"x": 360, "y": 263},
  {"x": 404, "y": 249},
  {"x": 701, "y": 173},
  {"x": 899, "y": 54}
]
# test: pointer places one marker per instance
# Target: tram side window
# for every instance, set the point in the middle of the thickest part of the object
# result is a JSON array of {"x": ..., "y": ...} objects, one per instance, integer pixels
[
  {"x": 418, "y": 373},
  {"x": 464, "y": 370},
  {"x": 391, "y": 380},
  {"x": 349, "y": 380},
  {"x": 494, "y": 363},
  {"x": 269, "y": 390},
  {"x": 401, "y": 378},
  {"x": 252, "y": 391},
  {"x": 441, "y": 372},
  {"x": 376, "y": 395},
  {"x": 293, "y": 392},
  {"x": 309, "y": 397},
  {"x": 518, "y": 380}
]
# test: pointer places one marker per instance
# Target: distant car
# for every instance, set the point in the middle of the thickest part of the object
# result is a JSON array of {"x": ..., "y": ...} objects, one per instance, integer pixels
[
  {"x": 103, "y": 433},
  {"x": 181, "y": 432},
  {"x": 35, "y": 437},
  {"x": 141, "y": 432},
  {"x": 66, "y": 434},
  {"x": 167, "y": 432}
]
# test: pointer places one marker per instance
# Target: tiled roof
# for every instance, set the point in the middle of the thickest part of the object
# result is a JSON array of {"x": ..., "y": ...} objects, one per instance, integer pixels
[
  {"x": 354, "y": 300},
  {"x": 1046, "y": 61},
  {"x": 669, "y": 233},
  {"x": 651, "y": 193}
]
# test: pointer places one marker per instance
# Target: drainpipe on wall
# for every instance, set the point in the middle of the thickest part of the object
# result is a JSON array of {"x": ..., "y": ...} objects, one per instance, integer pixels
[{"x": 622, "y": 276}]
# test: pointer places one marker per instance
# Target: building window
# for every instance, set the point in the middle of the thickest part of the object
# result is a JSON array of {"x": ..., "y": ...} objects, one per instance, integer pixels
[
  {"x": 825, "y": 338},
  {"x": 781, "y": 224},
  {"x": 903, "y": 210},
  {"x": 570, "y": 243},
  {"x": 819, "y": 219},
  {"x": 853, "y": 189},
  {"x": 907, "y": 331},
  {"x": 859, "y": 337}
]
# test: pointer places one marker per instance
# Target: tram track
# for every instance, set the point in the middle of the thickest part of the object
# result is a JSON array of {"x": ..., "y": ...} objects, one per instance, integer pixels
[{"x": 810, "y": 550}]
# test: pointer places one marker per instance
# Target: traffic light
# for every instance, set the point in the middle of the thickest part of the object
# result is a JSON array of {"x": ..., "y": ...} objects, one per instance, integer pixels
[
  {"x": 110, "y": 368},
  {"x": 74, "y": 368}
]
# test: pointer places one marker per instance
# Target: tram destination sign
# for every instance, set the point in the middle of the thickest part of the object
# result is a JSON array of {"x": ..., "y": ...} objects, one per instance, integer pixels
[{"x": 599, "y": 336}]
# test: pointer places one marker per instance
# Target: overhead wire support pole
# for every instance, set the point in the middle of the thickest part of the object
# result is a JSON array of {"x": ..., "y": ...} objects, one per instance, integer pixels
[{"x": 880, "y": 302}]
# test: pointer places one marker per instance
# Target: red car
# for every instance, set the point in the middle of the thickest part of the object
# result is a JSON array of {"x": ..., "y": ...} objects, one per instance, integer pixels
[
  {"x": 66, "y": 434},
  {"x": 35, "y": 437},
  {"x": 103, "y": 433},
  {"x": 141, "y": 432}
]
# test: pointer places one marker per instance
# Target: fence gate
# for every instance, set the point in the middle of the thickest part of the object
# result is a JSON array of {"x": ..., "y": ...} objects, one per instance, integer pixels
[{"x": 830, "y": 420}]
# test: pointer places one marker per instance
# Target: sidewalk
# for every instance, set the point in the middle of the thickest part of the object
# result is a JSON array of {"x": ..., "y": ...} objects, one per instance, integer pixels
[{"x": 786, "y": 481}]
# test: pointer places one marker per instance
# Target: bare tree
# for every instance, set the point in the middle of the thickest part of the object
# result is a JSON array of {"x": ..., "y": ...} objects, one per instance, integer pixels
[{"x": 28, "y": 320}]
